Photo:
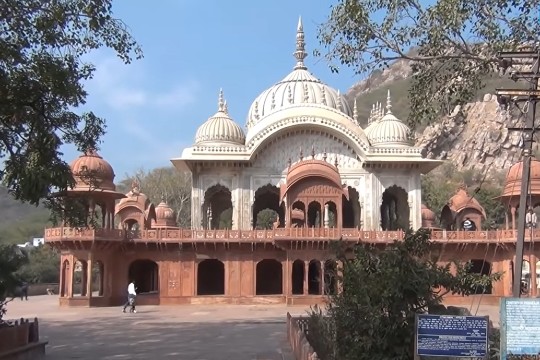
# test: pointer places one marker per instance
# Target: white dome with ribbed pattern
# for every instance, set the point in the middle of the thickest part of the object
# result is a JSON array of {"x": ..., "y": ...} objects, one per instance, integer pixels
[
  {"x": 220, "y": 128},
  {"x": 388, "y": 131},
  {"x": 297, "y": 88}
]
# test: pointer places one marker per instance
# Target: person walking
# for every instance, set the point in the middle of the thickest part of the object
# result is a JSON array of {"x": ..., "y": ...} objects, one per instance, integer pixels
[
  {"x": 130, "y": 298},
  {"x": 24, "y": 291}
]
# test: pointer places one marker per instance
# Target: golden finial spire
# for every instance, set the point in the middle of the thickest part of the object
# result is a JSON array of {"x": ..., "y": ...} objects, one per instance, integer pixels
[{"x": 300, "y": 53}]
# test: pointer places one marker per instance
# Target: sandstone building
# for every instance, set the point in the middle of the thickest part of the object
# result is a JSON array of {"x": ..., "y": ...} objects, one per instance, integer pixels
[{"x": 304, "y": 158}]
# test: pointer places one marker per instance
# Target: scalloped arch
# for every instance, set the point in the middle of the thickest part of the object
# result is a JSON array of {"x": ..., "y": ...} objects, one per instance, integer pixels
[{"x": 334, "y": 128}]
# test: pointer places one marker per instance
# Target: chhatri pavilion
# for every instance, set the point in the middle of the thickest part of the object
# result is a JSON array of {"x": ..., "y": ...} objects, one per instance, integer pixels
[{"x": 302, "y": 157}]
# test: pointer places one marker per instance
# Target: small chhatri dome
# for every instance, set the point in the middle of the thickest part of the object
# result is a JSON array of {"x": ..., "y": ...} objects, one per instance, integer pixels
[
  {"x": 389, "y": 130},
  {"x": 134, "y": 196},
  {"x": 220, "y": 128},
  {"x": 428, "y": 217},
  {"x": 297, "y": 88},
  {"x": 91, "y": 171},
  {"x": 165, "y": 216},
  {"x": 462, "y": 200},
  {"x": 512, "y": 186}
]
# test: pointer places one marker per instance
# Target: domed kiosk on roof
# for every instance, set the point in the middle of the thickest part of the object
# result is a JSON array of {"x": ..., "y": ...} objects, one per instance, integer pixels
[
  {"x": 135, "y": 211},
  {"x": 91, "y": 172},
  {"x": 512, "y": 190},
  {"x": 165, "y": 216},
  {"x": 388, "y": 131},
  {"x": 220, "y": 128},
  {"x": 429, "y": 218},
  {"x": 460, "y": 208}
]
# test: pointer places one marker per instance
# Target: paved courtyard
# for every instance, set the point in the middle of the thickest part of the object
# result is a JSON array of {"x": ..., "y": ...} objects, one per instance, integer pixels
[
  {"x": 196, "y": 332},
  {"x": 159, "y": 332}
]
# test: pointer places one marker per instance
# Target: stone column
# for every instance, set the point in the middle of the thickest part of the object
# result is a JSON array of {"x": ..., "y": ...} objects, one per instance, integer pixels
[
  {"x": 326, "y": 216},
  {"x": 89, "y": 265},
  {"x": 513, "y": 213},
  {"x": 306, "y": 279}
]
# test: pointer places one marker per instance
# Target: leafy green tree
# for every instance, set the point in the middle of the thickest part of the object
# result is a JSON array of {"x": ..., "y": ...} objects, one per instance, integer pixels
[
  {"x": 43, "y": 44},
  {"x": 43, "y": 266},
  {"x": 165, "y": 182},
  {"x": 11, "y": 260},
  {"x": 451, "y": 44},
  {"x": 266, "y": 218},
  {"x": 383, "y": 290}
]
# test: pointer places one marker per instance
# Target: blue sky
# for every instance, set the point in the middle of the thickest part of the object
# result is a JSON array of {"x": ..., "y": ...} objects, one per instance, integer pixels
[{"x": 192, "y": 49}]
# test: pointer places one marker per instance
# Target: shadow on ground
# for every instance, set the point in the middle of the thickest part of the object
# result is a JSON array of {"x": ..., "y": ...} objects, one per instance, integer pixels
[{"x": 143, "y": 336}]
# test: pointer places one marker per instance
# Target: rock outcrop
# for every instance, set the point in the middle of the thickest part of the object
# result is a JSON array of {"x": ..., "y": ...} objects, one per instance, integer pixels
[{"x": 475, "y": 137}]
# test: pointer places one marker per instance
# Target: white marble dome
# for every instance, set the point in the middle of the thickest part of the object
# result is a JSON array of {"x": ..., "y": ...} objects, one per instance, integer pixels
[
  {"x": 388, "y": 131},
  {"x": 297, "y": 88},
  {"x": 220, "y": 128}
]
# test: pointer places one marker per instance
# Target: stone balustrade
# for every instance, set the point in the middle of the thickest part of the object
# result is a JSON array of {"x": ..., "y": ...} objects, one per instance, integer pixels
[
  {"x": 296, "y": 335},
  {"x": 275, "y": 235}
]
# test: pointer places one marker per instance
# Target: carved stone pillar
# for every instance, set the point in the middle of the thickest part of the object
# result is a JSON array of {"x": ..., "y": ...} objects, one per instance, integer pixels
[
  {"x": 89, "y": 265},
  {"x": 326, "y": 216},
  {"x": 513, "y": 213}
]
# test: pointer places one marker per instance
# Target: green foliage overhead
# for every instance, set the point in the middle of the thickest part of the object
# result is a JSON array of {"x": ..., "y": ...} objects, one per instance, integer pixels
[
  {"x": 42, "y": 75},
  {"x": 383, "y": 290},
  {"x": 452, "y": 44},
  {"x": 11, "y": 260}
]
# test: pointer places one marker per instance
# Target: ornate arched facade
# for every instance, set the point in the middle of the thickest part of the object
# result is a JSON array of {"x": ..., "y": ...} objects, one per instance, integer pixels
[{"x": 266, "y": 202}]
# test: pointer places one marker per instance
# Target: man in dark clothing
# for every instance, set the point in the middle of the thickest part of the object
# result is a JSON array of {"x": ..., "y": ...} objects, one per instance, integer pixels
[{"x": 24, "y": 291}]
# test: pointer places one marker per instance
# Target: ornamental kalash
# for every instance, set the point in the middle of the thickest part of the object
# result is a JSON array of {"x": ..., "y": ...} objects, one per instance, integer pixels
[{"x": 303, "y": 156}]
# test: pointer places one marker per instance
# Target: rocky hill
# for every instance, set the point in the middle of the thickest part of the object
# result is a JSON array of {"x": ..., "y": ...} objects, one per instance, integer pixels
[{"x": 473, "y": 136}]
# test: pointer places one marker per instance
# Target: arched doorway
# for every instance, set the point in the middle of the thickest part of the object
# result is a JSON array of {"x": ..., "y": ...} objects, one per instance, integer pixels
[
  {"x": 395, "y": 209},
  {"x": 217, "y": 208},
  {"x": 80, "y": 276},
  {"x": 97, "y": 278},
  {"x": 330, "y": 215},
  {"x": 298, "y": 277},
  {"x": 269, "y": 277},
  {"x": 211, "y": 277},
  {"x": 351, "y": 209},
  {"x": 481, "y": 267},
  {"x": 267, "y": 197},
  {"x": 330, "y": 277},
  {"x": 314, "y": 277},
  {"x": 314, "y": 214},
  {"x": 298, "y": 214},
  {"x": 145, "y": 274},
  {"x": 131, "y": 225}
]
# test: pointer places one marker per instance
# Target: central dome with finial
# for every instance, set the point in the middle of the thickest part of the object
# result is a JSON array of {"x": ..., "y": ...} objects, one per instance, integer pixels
[
  {"x": 220, "y": 128},
  {"x": 297, "y": 88}
]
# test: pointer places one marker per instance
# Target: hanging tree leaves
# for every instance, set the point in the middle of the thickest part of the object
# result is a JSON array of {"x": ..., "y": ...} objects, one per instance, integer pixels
[
  {"x": 451, "y": 44},
  {"x": 42, "y": 44}
]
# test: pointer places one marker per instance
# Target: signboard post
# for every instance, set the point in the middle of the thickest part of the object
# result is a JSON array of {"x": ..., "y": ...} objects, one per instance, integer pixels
[
  {"x": 453, "y": 336},
  {"x": 520, "y": 328}
]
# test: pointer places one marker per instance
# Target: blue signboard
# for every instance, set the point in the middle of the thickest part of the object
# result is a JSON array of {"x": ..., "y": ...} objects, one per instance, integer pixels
[
  {"x": 520, "y": 327},
  {"x": 447, "y": 335}
]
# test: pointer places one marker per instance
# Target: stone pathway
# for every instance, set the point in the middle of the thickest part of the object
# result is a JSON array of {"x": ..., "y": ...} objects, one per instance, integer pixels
[
  {"x": 190, "y": 332},
  {"x": 159, "y": 332}
]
